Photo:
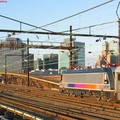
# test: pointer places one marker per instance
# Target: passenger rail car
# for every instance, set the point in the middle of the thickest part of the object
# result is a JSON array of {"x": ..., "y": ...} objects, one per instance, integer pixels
[{"x": 100, "y": 82}]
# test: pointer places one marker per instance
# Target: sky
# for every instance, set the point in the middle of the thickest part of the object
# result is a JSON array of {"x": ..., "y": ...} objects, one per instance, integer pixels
[{"x": 42, "y": 12}]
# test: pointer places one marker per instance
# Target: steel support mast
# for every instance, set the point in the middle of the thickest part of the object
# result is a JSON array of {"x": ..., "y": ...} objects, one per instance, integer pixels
[{"x": 70, "y": 46}]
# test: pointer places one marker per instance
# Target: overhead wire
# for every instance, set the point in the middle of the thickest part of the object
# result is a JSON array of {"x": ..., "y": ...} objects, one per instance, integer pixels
[
  {"x": 77, "y": 13},
  {"x": 45, "y": 64},
  {"x": 91, "y": 26},
  {"x": 71, "y": 50},
  {"x": 15, "y": 62},
  {"x": 39, "y": 65},
  {"x": 19, "y": 61},
  {"x": 85, "y": 27},
  {"x": 88, "y": 17},
  {"x": 117, "y": 10},
  {"x": 66, "y": 17},
  {"x": 26, "y": 23}
]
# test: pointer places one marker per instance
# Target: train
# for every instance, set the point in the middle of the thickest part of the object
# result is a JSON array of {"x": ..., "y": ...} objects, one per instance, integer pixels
[{"x": 101, "y": 83}]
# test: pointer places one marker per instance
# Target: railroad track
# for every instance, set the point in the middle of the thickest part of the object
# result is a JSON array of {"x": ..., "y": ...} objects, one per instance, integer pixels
[
  {"x": 52, "y": 109},
  {"x": 72, "y": 101},
  {"x": 37, "y": 91},
  {"x": 72, "y": 110}
]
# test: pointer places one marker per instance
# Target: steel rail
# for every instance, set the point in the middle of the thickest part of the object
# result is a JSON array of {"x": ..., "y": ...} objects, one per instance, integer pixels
[
  {"x": 58, "y": 98},
  {"x": 38, "y": 96},
  {"x": 59, "y": 110},
  {"x": 76, "y": 102},
  {"x": 19, "y": 112},
  {"x": 45, "y": 110}
]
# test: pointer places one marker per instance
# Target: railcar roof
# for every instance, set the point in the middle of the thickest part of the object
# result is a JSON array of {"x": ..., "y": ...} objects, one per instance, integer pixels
[{"x": 87, "y": 70}]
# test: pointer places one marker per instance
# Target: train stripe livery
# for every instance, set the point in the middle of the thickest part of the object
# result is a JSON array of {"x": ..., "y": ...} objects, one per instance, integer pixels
[
  {"x": 85, "y": 86},
  {"x": 99, "y": 82}
]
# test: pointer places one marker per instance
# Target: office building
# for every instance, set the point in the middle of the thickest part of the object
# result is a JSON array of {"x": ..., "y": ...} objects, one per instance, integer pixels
[
  {"x": 109, "y": 54},
  {"x": 78, "y": 54},
  {"x": 50, "y": 61},
  {"x": 38, "y": 64},
  {"x": 15, "y": 59}
]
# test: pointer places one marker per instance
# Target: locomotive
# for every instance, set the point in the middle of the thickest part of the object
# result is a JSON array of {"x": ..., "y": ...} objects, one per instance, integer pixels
[{"x": 101, "y": 83}]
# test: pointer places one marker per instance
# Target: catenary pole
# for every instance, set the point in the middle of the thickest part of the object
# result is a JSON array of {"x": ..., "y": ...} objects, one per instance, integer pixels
[
  {"x": 28, "y": 62},
  {"x": 70, "y": 46}
]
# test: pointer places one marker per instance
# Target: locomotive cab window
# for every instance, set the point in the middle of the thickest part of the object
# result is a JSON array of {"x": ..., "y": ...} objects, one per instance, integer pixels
[
  {"x": 61, "y": 78},
  {"x": 114, "y": 74},
  {"x": 119, "y": 77},
  {"x": 106, "y": 81}
]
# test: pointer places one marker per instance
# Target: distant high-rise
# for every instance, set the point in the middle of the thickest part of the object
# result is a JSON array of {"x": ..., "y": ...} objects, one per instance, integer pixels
[
  {"x": 109, "y": 54},
  {"x": 78, "y": 56},
  {"x": 50, "y": 61},
  {"x": 38, "y": 64},
  {"x": 14, "y": 59}
]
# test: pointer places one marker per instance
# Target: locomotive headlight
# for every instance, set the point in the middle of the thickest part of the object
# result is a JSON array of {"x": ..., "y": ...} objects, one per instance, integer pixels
[{"x": 105, "y": 77}]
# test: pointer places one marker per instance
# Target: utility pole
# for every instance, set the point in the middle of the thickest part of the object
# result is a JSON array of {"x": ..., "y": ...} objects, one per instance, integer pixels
[
  {"x": 119, "y": 41},
  {"x": 118, "y": 33},
  {"x": 28, "y": 62},
  {"x": 5, "y": 81},
  {"x": 70, "y": 46}
]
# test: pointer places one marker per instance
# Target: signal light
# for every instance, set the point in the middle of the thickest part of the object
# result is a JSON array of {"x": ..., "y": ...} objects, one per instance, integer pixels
[{"x": 104, "y": 38}]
